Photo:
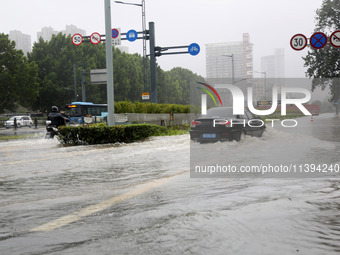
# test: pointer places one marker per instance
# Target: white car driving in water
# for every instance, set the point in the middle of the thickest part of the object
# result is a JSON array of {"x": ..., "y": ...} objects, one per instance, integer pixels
[{"x": 21, "y": 121}]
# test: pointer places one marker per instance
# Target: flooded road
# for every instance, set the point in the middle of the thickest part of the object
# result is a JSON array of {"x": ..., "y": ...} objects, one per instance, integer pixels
[{"x": 139, "y": 198}]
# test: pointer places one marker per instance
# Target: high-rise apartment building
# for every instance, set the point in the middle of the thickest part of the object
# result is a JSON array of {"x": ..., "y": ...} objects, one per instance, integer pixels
[
  {"x": 274, "y": 65},
  {"x": 22, "y": 41},
  {"x": 72, "y": 29},
  {"x": 46, "y": 33},
  {"x": 230, "y": 59}
]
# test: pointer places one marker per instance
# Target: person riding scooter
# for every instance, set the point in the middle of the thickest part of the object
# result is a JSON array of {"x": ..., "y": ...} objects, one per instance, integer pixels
[{"x": 54, "y": 120}]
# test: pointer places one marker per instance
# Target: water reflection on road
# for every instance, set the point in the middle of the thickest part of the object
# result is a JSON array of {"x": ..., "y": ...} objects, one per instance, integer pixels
[{"x": 41, "y": 181}]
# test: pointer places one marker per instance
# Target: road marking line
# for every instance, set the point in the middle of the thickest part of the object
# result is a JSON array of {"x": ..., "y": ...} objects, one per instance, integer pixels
[{"x": 140, "y": 189}]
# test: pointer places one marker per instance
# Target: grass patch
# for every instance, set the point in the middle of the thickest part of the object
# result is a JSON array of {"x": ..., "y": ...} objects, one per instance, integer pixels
[
  {"x": 177, "y": 130},
  {"x": 14, "y": 137}
]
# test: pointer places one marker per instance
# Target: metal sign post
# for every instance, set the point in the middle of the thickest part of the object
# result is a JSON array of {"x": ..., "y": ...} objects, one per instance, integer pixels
[{"x": 109, "y": 64}]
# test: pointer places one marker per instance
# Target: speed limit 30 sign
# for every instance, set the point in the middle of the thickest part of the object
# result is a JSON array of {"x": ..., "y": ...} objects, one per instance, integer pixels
[
  {"x": 298, "y": 42},
  {"x": 77, "y": 39}
]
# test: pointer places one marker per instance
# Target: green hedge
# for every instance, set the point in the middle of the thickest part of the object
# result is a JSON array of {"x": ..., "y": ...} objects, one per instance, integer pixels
[
  {"x": 139, "y": 107},
  {"x": 100, "y": 134}
]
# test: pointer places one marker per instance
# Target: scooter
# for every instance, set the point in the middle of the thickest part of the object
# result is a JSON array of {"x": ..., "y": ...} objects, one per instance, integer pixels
[{"x": 51, "y": 130}]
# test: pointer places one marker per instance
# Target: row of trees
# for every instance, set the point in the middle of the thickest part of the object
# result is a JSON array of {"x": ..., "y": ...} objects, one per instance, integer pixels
[{"x": 45, "y": 77}]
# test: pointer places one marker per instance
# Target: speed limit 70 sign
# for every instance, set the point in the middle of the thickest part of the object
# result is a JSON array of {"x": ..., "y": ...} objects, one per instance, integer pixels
[
  {"x": 77, "y": 39},
  {"x": 298, "y": 42}
]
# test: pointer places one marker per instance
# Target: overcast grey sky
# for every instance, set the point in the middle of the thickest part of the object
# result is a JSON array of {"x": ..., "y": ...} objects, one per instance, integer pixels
[{"x": 270, "y": 24}]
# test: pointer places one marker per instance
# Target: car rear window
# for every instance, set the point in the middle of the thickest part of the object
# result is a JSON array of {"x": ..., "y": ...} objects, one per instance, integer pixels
[{"x": 220, "y": 112}]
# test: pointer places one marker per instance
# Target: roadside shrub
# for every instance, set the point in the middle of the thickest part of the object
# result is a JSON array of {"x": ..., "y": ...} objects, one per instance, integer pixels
[
  {"x": 124, "y": 107},
  {"x": 146, "y": 107},
  {"x": 100, "y": 134}
]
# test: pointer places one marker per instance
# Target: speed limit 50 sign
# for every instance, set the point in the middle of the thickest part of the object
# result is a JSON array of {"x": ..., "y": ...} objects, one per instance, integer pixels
[
  {"x": 77, "y": 39},
  {"x": 298, "y": 42}
]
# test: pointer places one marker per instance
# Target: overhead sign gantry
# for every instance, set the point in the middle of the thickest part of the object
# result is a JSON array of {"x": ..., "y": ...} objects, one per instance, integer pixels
[{"x": 155, "y": 51}]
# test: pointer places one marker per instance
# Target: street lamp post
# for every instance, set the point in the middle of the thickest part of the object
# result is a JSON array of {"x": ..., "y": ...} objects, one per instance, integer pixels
[
  {"x": 232, "y": 66},
  {"x": 144, "y": 34},
  {"x": 265, "y": 83},
  {"x": 75, "y": 82},
  {"x": 75, "y": 79}
]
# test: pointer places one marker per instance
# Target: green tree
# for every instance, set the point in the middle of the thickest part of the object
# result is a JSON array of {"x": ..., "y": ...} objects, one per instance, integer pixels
[
  {"x": 183, "y": 79},
  {"x": 324, "y": 64},
  {"x": 18, "y": 83},
  {"x": 55, "y": 60}
]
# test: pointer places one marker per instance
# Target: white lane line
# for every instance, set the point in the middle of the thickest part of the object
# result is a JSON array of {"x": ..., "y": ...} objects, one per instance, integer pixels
[{"x": 140, "y": 189}]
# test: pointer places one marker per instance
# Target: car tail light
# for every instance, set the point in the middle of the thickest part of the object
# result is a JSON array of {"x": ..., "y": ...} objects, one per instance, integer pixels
[
  {"x": 222, "y": 122},
  {"x": 226, "y": 123},
  {"x": 195, "y": 123}
]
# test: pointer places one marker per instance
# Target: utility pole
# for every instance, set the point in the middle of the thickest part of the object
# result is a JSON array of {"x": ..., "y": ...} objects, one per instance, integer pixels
[
  {"x": 144, "y": 45},
  {"x": 232, "y": 67},
  {"x": 153, "y": 62},
  {"x": 109, "y": 64},
  {"x": 144, "y": 37}
]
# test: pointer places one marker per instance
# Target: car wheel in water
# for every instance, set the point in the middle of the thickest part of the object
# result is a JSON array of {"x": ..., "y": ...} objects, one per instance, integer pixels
[{"x": 240, "y": 136}]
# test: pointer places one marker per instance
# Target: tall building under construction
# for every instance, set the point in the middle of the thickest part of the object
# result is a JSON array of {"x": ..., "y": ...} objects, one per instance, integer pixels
[{"x": 230, "y": 59}]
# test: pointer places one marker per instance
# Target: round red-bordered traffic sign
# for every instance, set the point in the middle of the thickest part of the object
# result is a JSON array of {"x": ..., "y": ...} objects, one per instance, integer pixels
[
  {"x": 318, "y": 40},
  {"x": 298, "y": 42},
  {"x": 115, "y": 33},
  {"x": 335, "y": 39},
  {"x": 77, "y": 39},
  {"x": 95, "y": 38}
]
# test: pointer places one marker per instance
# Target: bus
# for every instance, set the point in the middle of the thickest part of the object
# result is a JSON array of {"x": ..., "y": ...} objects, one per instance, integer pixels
[{"x": 76, "y": 112}]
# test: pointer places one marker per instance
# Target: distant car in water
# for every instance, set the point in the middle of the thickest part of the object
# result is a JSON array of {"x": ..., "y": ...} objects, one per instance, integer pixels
[
  {"x": 219, "y": 124},
  {"x": 315, "y": 113},
  {"x": 21, "y": 121}
]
